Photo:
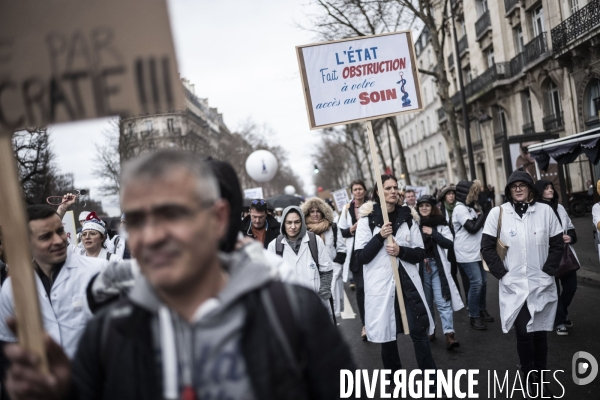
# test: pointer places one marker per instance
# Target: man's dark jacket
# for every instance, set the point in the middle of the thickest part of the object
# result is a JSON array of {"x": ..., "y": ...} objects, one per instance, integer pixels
[
  {"x": 125, "y": 365},
  {"x": 273, "y": 228}
]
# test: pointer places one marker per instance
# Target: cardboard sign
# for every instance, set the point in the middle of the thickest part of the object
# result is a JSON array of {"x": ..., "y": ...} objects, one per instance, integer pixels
[
  {"x": 341, "y": 198},
  {"x": 359, "y": 79},
  {"x": 65, "y": 60},
  {"x": 419, "y": 190},
  {"x": 69, "y": 224},
  {"x": 253, "y": 193}
]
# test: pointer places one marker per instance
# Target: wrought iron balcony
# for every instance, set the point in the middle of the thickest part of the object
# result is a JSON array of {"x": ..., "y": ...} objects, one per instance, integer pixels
[
  {"x": 554, "y": 121},
  {"x": 578, "y": 24},
  {"x": 483, "y": 24},
  {"x": 517, "y": 63},
  {"x": 451, "y": 61},
  {"x": 509, "y": 5},
  {"x": 528, "y": 129},
  {"x": 463, "y": 45},
  {"x": 535, "y": 48},
  {"x": 441, "y": 114},
  {"x": 484, "y": 81}
]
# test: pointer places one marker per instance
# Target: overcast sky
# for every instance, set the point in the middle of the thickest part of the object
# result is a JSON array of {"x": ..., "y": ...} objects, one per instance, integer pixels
[{"x": 240, "y": 54}]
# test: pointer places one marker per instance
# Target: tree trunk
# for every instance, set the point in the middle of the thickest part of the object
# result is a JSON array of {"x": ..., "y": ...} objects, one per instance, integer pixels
[
  {"x": 365, "y": 148},
  {"x": 403, "y": 167},
  {"x": 443, "y": 86}
]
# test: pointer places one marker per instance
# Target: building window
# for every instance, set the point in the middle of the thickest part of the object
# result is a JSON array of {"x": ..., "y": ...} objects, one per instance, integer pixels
[
  {"x": 553, "y": 99},
  {"x": 423, "y": 133},
  {"x": 538, "y": 21},
  {"x": 490, "y": 57},
  {"x": 481, "y": 6},
  {"x": 593, "y": 92},
  {"x": 170, "y": 125},
  {"x": 519, "y": 43},
  {"x": 416, "y": 162},
  {"x": 501, "y": 121},
  {"x": 148, "y": 126},
  {"x": 527, "y": 111},
  {"x": 428, "y": 127},
  {"x": 425, "y": 96},
  {"x": 574, "y": 6},
  {"x": 467, "y": 75},
  {"x": 414, "y": 136},
  {"x": 441, "y": 152},
  {"x": 432, "y": 156}
]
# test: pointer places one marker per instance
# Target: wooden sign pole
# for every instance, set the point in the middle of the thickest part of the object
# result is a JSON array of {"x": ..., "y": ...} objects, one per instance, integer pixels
[
  {"x": 390, "y": 239},
  {"x": 18, "y": 257}
]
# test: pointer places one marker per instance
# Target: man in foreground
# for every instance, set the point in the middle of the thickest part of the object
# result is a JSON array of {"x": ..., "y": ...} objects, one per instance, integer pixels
[{"x": 197, "y": 324}]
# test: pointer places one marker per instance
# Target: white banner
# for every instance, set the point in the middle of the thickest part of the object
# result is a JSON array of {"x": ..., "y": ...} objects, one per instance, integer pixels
[
  {"x": 253, "y": 193},
  {"x": 359, "y": 79},
  {"x": 341, "y": 198},
  {"x": 69, "y": 224},
  {"x": 419, "y": 190}
]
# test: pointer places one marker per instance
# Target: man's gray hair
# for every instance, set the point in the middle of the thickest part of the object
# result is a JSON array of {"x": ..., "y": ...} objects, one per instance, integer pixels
[{"x": 157, "y": 164}]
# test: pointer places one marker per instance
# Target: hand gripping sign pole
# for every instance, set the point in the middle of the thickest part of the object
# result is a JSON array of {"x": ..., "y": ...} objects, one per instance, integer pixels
[
  {"x": 361, "y": 79},
  {"x": 84, "y": 60}
]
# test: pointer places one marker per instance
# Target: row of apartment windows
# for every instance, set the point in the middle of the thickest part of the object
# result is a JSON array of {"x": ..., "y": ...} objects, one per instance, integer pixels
[
  {"x": 148, "y": 125},
  {"x": 430, "y": 158}
]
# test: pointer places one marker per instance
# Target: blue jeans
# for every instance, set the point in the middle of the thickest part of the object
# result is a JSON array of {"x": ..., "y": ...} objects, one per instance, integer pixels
[
  {"x": 432, "y": 286},
  {"x": 478, "y": 290}
]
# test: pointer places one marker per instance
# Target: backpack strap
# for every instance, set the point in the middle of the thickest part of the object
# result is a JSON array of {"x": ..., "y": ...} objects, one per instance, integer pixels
[
  {"x": 117, "y": 240},
  {"x": 108, "y": 254},
  {"x": 279, "y": 245},
  {"x": 334, "y": 228},
  {"x": 280, "y": 305},
  {"x": 314, "y": 249}
]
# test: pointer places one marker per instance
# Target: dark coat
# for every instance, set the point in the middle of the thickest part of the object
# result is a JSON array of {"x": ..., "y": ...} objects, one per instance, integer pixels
[
  {"x": 273, "y": 228},
  {"x": 439, "y": 239},
  {"x": 126, "y": 367}
]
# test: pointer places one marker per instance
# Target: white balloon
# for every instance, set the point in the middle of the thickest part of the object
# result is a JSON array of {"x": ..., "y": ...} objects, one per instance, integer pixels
[
  {"x": 261, "y": 165},
  {"x": 289, "y": 189}
]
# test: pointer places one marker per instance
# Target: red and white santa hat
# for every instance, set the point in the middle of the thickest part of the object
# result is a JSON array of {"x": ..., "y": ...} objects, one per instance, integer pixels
[{"x": 92, "y": 222}]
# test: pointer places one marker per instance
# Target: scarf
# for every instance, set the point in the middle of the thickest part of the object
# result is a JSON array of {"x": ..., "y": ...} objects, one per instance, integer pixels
[
  {"x": 295, "y": 244},
  {"x": 449, "y": 209},
  {"x": 521, "y": 207},
  {"x": 319, "y": 228}
]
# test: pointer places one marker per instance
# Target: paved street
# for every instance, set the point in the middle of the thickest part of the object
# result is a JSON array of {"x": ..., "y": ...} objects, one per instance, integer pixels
[{"x": 494, "y": 350}]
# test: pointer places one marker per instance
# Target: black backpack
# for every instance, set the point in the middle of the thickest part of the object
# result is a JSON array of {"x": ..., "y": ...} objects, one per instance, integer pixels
[{"x": 312, "y": 245}]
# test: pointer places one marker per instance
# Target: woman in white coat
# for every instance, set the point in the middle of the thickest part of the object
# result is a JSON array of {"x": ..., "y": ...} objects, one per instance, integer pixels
[
  {"x": 348, "y": 224},
  {"x": 319, "y": 220},
  {"x": 435, "y": 270},
  {"x": 307, "y": 272},
  {"x": 382, "y": 316},
  {"x": 527, "y": 289},
  {"x": 566, "y": 285},
  {"x": 93, "y": 238}
]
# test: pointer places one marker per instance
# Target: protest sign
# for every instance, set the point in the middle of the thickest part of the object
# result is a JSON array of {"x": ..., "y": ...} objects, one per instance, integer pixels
[
  {"x": 341, "y": 198},
  {"x": 419, "y": 190},
  {"x": 70, "y": 229},
  {"x": 65, "y": 60},
  {"x": 359, "y": 79},
  {"x": 253, "y": 193}
]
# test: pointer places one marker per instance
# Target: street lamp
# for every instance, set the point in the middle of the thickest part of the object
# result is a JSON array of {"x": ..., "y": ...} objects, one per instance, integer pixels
[{"x": 316, "y": 170}]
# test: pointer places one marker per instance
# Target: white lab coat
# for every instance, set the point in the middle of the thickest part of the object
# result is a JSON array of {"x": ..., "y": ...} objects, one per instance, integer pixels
[
  {"x": 102, "y": 255},
  {"x": 380, "y": 290},
  {"x": 304, "y": 268},
  {"x": 337, "y": 286},
  {"x": 457, "y": 303},
  {"x": 595, "y": 220},
  {"x": 527, "y": 240},
  {"x": 64, "y": 315},
  {"x": 467, "y": 245},
  {"x": 345, "y": 222}
]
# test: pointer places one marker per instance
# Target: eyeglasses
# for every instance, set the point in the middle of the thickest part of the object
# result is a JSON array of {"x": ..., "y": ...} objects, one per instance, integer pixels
[
  {"x": 258, "y": 202},
  {"x": 518, "y": 188}
]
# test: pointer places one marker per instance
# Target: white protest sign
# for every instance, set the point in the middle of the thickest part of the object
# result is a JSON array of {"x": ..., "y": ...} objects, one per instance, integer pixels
[
  {"x": 69, "y": 224},
  {"x": 359, "y": 79},
  {"x": 341, "y": 198},
  {"x": 64, "y": 60},
  {"x": 419, "y": 190},
  {"x": 253, "y": 193}
]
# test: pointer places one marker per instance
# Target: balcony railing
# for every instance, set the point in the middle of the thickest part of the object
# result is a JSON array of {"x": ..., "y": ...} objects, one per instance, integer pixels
[
  {"x": 441, "y": 115},
  {"x": 535, "y": 48},
  {"x": 509, "y": 5},
  {"x": 493, "y": 74},
  {"x": 451, "y": 61},
  {"x": 463, "y": 45},
  {"x": 578, "y": 24},
  {"x": 483, "y": 23},
  {"x": 517, "y": 63},
  {"x": 554, "y": 121},
  {"x": 528, "y": 129}
]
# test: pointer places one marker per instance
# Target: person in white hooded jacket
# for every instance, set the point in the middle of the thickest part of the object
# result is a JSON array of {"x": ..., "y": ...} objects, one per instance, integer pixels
[
  {"x": 382, "y": 315},
  {"x": 307, "y": 272},
  {"x": 319, "y": 219},
  {"x": 527, "y": 290}
]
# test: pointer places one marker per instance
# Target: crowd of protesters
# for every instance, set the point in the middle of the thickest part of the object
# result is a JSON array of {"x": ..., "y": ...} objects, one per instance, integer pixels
[{"x": 188, "y": 282}]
